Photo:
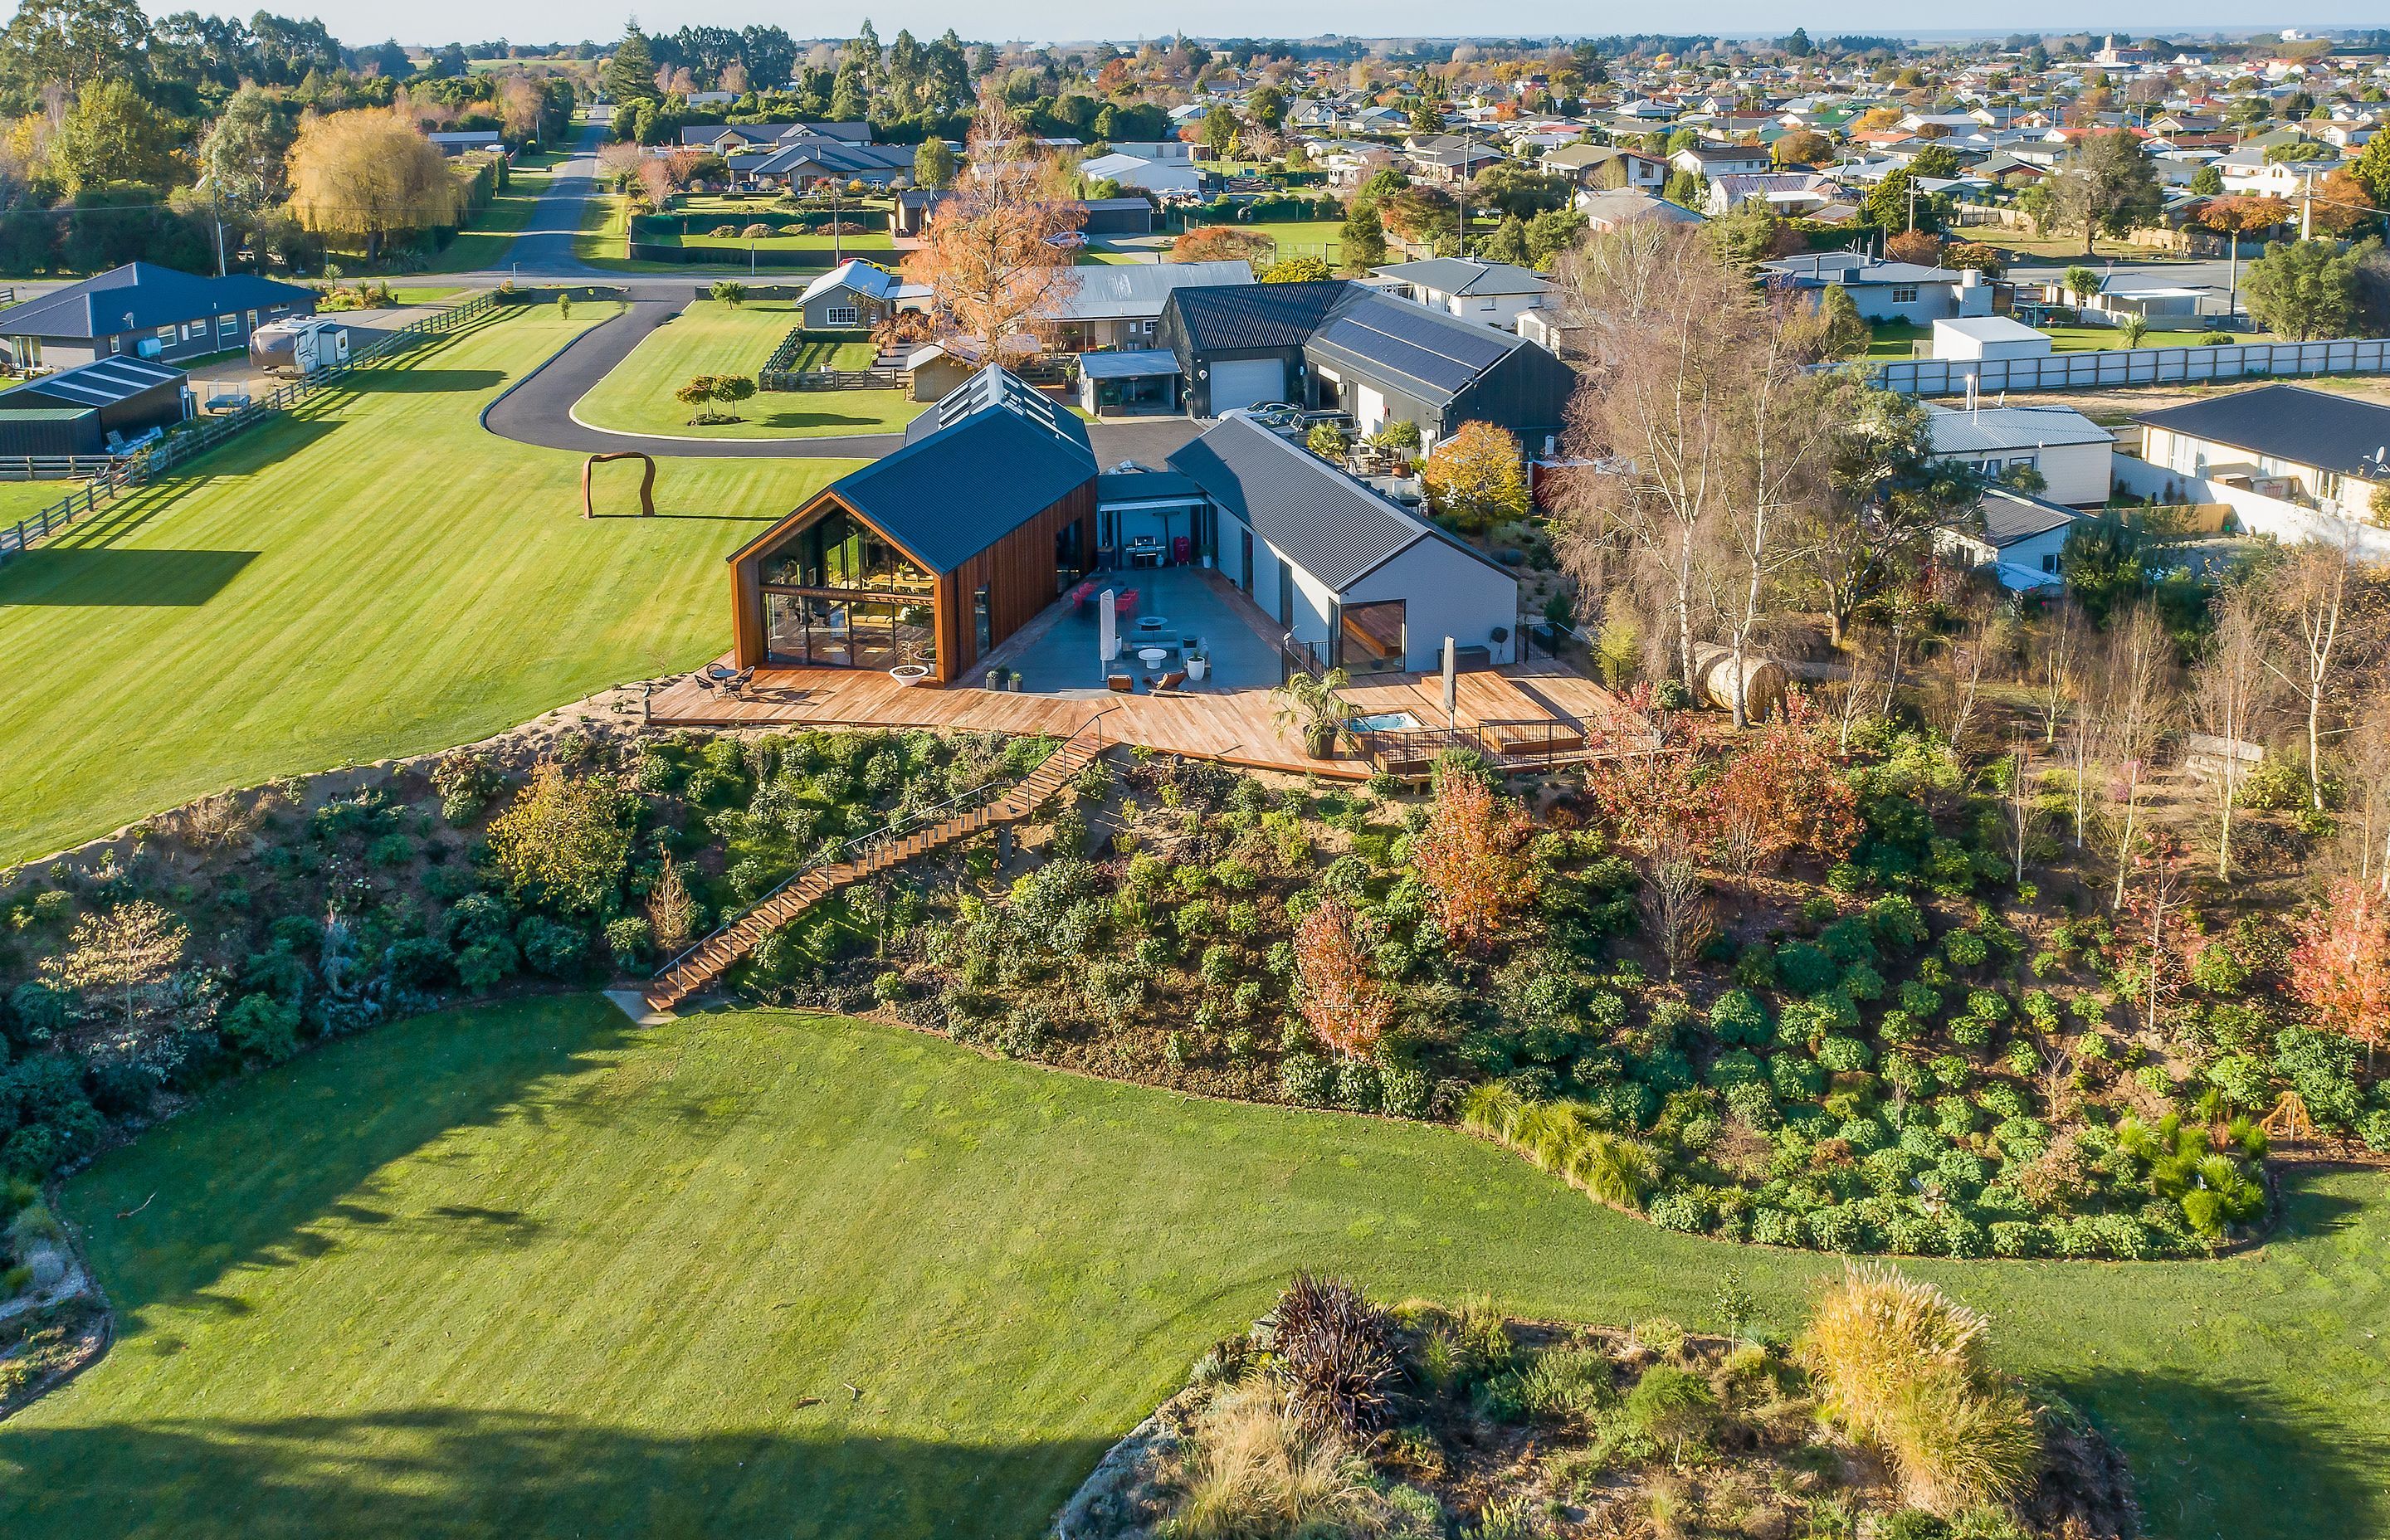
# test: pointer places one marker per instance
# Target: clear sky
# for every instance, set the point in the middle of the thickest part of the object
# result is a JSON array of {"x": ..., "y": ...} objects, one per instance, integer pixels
[{"x": 358, "y": 21}]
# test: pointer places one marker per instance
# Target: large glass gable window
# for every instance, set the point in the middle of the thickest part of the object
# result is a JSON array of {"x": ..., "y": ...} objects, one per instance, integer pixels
[
  {"x": 841, "y": 551},
  {"x": 836, "y": 594}
]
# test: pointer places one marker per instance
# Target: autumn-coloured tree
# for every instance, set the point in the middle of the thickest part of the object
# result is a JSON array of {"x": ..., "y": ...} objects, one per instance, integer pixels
[
  {"x": 671, "y": 913},
  {"x": 1470, "y": 857},
  {"x": 1652, "y": 794},
  {"x": 1223, "y": 243},
  {"x": 997, "y": 253},
  {"x": 128, "y": 952},
  {"x": 1344, "y": 1005},
  {"x": 564, "y": 840},
  {"x": 1782, "y": 792},
  {"x": 1477, "y": 478},
  {"x": 1921, "y": 246},
  {"x": 2340, "y": 968},
  {"x": 369, "y": 174}
]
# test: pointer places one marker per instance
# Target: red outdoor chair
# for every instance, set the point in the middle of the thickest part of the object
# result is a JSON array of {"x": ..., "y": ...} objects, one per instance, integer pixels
[{"x": 1124, "y": 604}]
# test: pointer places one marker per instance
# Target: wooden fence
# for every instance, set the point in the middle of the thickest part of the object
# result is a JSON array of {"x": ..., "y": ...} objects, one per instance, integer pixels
[{"x": 194, "y": 439}]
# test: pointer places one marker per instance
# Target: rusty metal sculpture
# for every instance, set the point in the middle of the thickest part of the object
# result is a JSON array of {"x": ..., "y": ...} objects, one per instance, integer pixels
[{"x": 646, "y": 481}]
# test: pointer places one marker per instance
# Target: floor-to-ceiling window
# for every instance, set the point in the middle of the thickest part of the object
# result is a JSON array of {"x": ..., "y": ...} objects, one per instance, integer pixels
[{"x": 836, "y": 594}]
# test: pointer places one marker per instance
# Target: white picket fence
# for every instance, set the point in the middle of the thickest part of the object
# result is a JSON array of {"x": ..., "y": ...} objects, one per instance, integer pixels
[{"x": 2160, "y": 366}]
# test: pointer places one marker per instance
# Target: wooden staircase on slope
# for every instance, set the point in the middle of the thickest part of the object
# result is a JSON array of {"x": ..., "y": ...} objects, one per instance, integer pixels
[{"x": 710, "y": 958}]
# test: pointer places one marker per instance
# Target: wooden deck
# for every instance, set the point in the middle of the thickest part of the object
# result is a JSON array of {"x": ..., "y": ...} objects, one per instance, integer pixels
[{"x": 1229, "y": 727}]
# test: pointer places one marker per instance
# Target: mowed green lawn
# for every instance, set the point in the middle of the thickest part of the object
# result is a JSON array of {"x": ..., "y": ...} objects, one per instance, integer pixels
[
  {"x": 377, "y": 576},
  {"x": 483, "y": 242},
  {"x": 711, "y": 337},
  {"x": 527, "y": 1271}
]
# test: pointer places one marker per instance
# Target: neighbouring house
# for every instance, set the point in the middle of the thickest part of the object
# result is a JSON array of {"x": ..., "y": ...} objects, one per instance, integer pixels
[
  {"x": 1887, "y": 290},
  {"x": 802, "y": 162},
  {"x": 1717, "y": 161},
  {"x": 1119, "y": 304},
  {"x": 1354, "y": 581},
  {"x": 1385, "y": 360},
  {"x": 933, "y": 555},
  {"x": 1598, "y": 166},
  {"x": 1493, "y": 293},
  {"x": 1342, "y": 346},
  {"x": 1613, "y": 207},
  {"x": 1241, "y": 345},
  {"x": 2072, "y": 453},
  {"x": 857, "y": 294},
  {"x": 912, "y": 208},
  {"x": 92, "y": 408},
  {"x": 462, "y": 141},
  {"x": 145, "y": 311},
  {"x": 2018, "y": 535},
  {"x": 2246, "y": 171},
  {"x": 1787, "y": 193},
  {"x": 1980, "y": 336},
  {"x": 1137, "y": 171},
  {"x": 2316, "y": 450}
]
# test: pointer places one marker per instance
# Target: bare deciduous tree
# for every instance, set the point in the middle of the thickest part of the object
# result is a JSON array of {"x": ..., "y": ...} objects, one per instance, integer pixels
[
  {"x": 1666, "y": 324},
  {"x": 2307, "y": 598},
  {"x": 995, "y": 253},
  {"x": 2226, "y": 697},
  {"x": 2135, "y": 702}
]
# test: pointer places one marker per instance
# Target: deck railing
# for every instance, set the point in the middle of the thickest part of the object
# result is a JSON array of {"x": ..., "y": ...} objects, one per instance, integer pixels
[
  {"x": 126, "y": 472},
  {"x": 1525, "y": 743}
]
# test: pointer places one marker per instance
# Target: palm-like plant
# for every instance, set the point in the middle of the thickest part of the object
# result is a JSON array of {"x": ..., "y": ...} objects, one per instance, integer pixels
[{"x": 1313, "y": 708}]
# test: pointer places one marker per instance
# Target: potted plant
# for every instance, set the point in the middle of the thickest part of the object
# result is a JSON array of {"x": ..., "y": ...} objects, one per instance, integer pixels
[
  {"x": 1312, "y": 707},
  {"x": 995, "y": 679},
  {"x": 1199, "y": 663}
]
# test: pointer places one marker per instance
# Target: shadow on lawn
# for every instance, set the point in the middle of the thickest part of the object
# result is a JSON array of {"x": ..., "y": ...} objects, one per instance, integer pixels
[
  {"x": 401, "y": 1087},
  {"x": 2219, "y": 1460},
  {"x": 460, "y": 1472},
  {"x": 406, "y": 379},
  {"x": 101, "y": 576}
]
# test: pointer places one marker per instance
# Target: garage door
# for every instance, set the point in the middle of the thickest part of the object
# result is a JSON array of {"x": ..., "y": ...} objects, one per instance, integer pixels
[{"x": 1246, "y": 382}]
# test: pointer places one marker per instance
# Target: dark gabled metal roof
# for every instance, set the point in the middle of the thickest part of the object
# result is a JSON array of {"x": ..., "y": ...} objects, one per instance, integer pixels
[
  {"x": 1439, "y": 355},
  {"x": 140, "y": 295},
  {"x": 2288, "y": 422},
  {"x": 1238, "y": 318},
  {"x": 2009, "y": 516},
  {"x": 1329, "y": 524},
  {"x": 970, "y": 475},
  {"x": 1137, "y": 484},
  {"x": 103, "y": 383}
]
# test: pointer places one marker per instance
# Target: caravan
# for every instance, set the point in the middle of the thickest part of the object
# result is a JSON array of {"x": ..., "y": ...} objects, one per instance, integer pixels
[{"x": 303, "y": 345}]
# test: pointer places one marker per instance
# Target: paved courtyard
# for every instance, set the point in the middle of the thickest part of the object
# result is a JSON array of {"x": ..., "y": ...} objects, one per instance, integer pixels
[{"x": 1058, "y": 651}]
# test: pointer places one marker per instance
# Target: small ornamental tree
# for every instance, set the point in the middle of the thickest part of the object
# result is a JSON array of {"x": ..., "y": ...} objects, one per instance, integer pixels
[
  {"x": 1470, "y": 856},
  {"x": 2163, "y": 942},
  {"x": 671, "y": 913},
  {"x": 1343, "y": 1004},
  {"x": 564, "y": 840},
  {"x": 1783, "y": 793},
  {"x": 698, "y": 394},
  {"x": 732, "y": 389},
  {"x": 124, "y": 955},
  {"x": 1477, "y": 478},
  {"x": 2341, "y": 968},
  {"x": 1223, "y": 243}
]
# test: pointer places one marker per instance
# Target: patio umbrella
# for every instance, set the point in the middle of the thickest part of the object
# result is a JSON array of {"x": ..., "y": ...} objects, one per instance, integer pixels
[{"x": 1107, "y": 629}]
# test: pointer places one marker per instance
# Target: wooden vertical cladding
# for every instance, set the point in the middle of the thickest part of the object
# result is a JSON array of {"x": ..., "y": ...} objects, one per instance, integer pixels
[
  {"x": 1018, "y": 570},
  {"x": 1020, "y": 575}
]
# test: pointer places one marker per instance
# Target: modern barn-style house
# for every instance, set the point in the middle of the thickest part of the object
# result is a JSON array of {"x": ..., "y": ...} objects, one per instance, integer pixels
[{"x": 933, "y": 555}]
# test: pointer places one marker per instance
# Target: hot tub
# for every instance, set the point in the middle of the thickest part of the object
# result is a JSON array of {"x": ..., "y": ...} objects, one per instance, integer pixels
[{"x": 1383, "y": 722}]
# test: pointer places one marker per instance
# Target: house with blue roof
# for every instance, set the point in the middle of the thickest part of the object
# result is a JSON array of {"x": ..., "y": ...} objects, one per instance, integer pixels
[{"x": 144, "y": 310}]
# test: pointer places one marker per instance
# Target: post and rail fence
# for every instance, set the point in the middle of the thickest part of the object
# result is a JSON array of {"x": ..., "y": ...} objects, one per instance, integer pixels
[{"x": 123, "y": 473}]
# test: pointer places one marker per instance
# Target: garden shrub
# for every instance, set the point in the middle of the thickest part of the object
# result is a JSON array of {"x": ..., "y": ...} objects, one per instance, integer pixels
[
  {"x": 1844, "y": 1054},
  {"x": 1680, "y": 1210},
  {"x": 1306, "y": 1078},
  {"x": 1965, "y": 949},
  {"x": 1358, "y": 1085},
  {"x": 1804, "y": 969},
  {"x": 1404, "y": 1092},
  {"x": 261, "y": 1027},
  {"x": 1738, "y": 1016}
]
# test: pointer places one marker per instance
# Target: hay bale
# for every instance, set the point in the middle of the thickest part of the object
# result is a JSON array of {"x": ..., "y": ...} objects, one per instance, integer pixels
[{"x": 1763, "y": 683}]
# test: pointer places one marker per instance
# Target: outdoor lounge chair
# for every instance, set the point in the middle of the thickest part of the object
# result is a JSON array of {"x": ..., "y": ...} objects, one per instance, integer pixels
[
  {"x": 1169, "y": 684},
  {"x": 1124, "y": 603}
]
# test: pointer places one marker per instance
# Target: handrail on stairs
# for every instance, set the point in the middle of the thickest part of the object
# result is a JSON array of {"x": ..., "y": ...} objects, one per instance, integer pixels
[{"x": 904, "y": 823}]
